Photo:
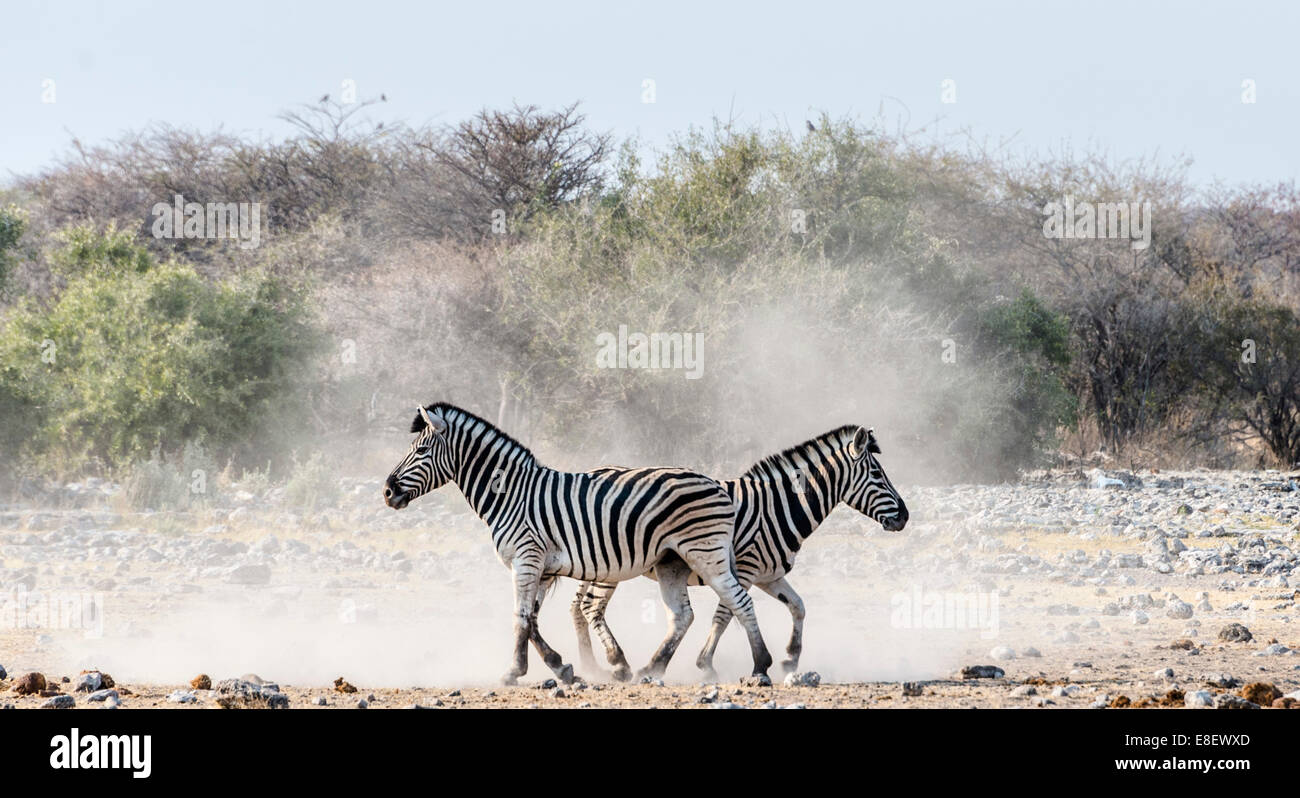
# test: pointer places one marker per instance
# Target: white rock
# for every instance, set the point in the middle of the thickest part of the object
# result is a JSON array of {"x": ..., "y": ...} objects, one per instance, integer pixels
[{"x": 1199, "y": 699}]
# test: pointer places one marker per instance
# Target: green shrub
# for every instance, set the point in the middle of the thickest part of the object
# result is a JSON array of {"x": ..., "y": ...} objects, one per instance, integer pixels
[
  {"x": 13, "y": 220},
  {"x": 133, "y": 356}
]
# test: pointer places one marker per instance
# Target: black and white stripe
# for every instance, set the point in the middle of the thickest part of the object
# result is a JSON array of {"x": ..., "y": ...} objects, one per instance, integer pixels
[
  {"x": 603, "y": 526},
  {"x": 780, "y": 501}
]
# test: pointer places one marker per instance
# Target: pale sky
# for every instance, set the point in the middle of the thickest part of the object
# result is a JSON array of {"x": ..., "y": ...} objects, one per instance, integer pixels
[{"x": 1128, "y": 78}]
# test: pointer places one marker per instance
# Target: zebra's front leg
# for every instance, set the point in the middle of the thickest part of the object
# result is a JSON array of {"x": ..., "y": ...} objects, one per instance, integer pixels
[
  {"x": 527, "y": 566},
  {"x": 552, "y": 658},
  {"x": 784, "y": 593},
  {"x": 704, "y": 661},
  {"x": 593, "y": 610}
]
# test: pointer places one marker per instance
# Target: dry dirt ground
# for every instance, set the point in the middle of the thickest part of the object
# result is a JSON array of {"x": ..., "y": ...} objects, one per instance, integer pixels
[{"x": 1083, "y": 592}]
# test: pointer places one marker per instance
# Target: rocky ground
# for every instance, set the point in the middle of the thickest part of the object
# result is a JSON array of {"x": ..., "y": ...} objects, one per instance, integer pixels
[{"x": 1070, "y": 589}]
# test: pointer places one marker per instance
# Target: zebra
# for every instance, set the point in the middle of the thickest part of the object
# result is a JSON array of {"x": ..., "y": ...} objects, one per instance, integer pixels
[
  {"x": 603, "y": 526},
  {"x": 780, "y": 502}
]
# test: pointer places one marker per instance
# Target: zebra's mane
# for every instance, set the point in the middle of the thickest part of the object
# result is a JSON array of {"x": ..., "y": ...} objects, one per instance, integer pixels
[
  {"x": 446, "y": 410},
  {"x": 837, "y": 435}
]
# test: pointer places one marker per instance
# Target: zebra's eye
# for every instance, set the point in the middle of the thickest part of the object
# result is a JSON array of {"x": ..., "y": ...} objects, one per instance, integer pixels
[{"x": 424, "y": 449}]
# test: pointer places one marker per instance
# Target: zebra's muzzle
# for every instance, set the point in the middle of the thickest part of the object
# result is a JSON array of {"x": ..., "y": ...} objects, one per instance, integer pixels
[
  {"x": 395, "y": 498},
  {"x": 894, "y": 523}
]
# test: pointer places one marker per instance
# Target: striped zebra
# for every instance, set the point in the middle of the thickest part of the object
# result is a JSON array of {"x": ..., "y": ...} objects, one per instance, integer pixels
[
  {"x": 780, "y": 502},
  {"x": 603, "y": 526}
]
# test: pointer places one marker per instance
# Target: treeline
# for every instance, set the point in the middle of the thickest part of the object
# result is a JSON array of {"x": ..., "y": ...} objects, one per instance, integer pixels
[{"x": 835, "y": 274}]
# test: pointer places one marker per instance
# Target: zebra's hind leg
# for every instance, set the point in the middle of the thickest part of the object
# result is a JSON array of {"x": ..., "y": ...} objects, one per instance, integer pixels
[
  {"x": 593, "y": 611},
  {"x": 673, "y": 575},
  {"x": 704, "y": 661},
  {"x": 782, "y": 592},
  {"x": 552, "y": 658},
  {"x": 585, "y": 656},
  {"x": 711, "y": 559}
]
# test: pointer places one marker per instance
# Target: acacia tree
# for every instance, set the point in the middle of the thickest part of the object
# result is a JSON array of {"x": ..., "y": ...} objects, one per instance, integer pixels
[
  {"x": 517, "y": 161},
  {"x": 1249, "y": 365}
]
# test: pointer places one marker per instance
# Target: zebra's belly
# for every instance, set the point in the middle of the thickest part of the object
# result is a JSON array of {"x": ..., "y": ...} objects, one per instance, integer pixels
[{"x": 562, "y": 564}]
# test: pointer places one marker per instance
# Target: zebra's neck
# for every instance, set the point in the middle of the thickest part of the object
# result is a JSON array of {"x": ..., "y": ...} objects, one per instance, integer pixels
[
  {"x": 803, "y": 483},
  {"x": 492, "y": 469}
]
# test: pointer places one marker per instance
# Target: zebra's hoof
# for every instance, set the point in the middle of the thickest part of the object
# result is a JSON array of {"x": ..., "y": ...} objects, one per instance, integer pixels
[
  {"x": 565, "y": 674},
  {"x": 622, "y": 673},
  {"x": 510, "y": 680},
  {"x": 790, "y": 666}
]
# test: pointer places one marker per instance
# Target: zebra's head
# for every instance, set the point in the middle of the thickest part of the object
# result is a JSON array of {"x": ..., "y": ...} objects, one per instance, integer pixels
[
  {"x": 869, "y": 490},
  {"x": 427, "y": 466}
]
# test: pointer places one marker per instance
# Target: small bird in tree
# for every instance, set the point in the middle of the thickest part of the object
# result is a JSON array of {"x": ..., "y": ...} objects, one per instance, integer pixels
[
  {"x": 324, "y": 98},
  {"x": 811, "y": 129}
]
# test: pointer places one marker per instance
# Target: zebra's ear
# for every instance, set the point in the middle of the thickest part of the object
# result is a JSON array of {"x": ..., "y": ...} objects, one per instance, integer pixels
[
  {"x": 858, "y": 446},
  {"x": 864, "y": 440},
  {"x": 438, "y": 425}
]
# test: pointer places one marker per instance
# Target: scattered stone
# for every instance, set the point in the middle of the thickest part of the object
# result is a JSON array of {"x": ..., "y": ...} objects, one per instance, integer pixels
[
  {"x": 1024, "y": 691},
  {"x": 1230, "y": 701},
  {"x": 102, "y": 695},
  {"x": 1139, "y": 618},
  {"x": 1199, "y": 699},
  {"x": 321, "y": 701},
  {"x": 1183, "y": 645},
  {"x": 913, "y": 689},
  {"x": 549, "y": 684},
  {"x": 803, "y": 679},
  {"x": 89, "y": 682},
  {"x": 201, "y": 682},
  {"x": 1180, "y": 610},
  {"x": 1033, "y": 652},
  {"x": 1222, "y": 680},
  {"x": 761, "y": 680},
  {"x": 1273, "y": 650},
  {"x": 249, "y": 575},
  {"x": 182, "y": 697},
  {"x": 1002, "y": 652},
  {"x": 1261, "y": 693},
  {"x": 982, "y": 672},
  {"x": 1120, "y": 702},
  {"x": 1235, "y": 633},
  {"x": 243, "y": 694},
  {"x": 341, "y": 686},
  {"x": 60, "y": 702},
  {"x": 30, "y": 683}
]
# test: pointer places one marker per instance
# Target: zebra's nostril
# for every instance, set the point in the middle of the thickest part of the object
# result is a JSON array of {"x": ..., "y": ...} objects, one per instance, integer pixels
[{"x": 388, "y": 492}]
